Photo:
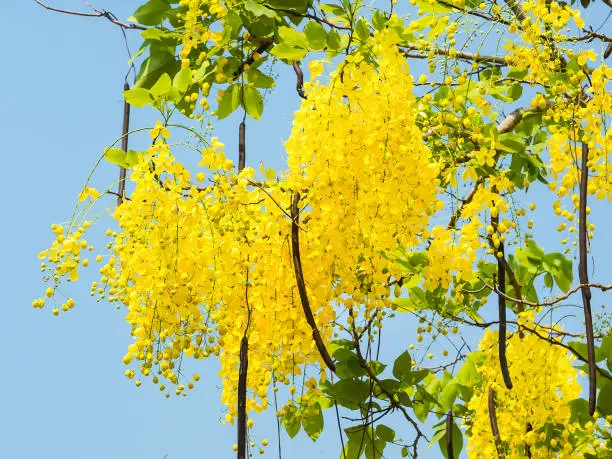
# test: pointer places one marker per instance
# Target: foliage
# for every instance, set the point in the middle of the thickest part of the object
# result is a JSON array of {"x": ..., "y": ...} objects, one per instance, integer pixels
[{"x": 402, "y": 198}]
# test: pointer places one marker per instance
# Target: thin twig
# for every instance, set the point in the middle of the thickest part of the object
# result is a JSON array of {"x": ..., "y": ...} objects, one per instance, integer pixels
[
  {"x": 584, "y": 278},
  {"x": 301, "y": 284},
  {"x": 468, "y": 199},
  {"x": 554, "y": 301},
  {"x": 96, "y": 14},
  {"x": 260, "y": 186},
  {"x": 340, "y": 430},
  {"x": 392, "y": 401}
]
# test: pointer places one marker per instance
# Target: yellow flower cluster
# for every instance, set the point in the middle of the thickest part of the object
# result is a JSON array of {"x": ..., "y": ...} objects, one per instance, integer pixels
[
  {"x": 525, "y": 412},
  {"x": 368, "y": 181},
  {"x": 195, "y": 31},
  {"x": 64, "y": 255},
  {"x": 197, "y": 268}
]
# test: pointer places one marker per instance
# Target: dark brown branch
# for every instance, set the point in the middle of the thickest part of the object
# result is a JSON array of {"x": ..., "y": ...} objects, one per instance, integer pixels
[
  {"x": 301, "y": 284},
  {"x": 516, "y": 8},
  {"x": 449, "y": 435},
  {"x": 468, "y": 199},
  {"x": 584, "y": 277},
  {"x": 464, "y": 55},
  {"x": 299, "y": 85},
  {"x": 307, "y": 16},
  {"x": 124, "y": 145},
  {"x": 242, "y": 384},
  {"x": 555, "y": 300},
  {"x": 501, "y": 306},
  {"x": 260, "y": 186},
  {"x": 580, "y": 357},
  {"x": 474, "y": 13},
  {"x": 241, "y": 146},
  {"x": 265, "y": 44},
  {"x": 494, "y": 427},
  {"x": 96, "y": 14}
]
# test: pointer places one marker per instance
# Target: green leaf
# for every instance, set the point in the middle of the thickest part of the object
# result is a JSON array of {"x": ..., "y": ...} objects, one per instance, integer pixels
[
  {"x": 402, "y": 367},
  {"x": 385, "y": 433},
  {"x": 374, "y": 449},
  {"x": 334, "y": 42},
  {"x": 295, "y": 5},
  {"x": 229, "y": 102},
  {"x": 258, "y": 9},
  {"x": 511, "y": 142},
  {"x": 290, "y": 53},
  {"x": 182, "y": 80},
  {"x": 349, "y": 368},
  {"x": 515, "y": 91},
  {"x": 155, "y": 34},
  {"x": 579, "y": 410},
  {"x": 432, "y": 7},
  {"x": 457, "y": 441},
  {"x": 560, "y": 267},
  {"x": 290, "y": 36},
  {"x": 316, "y": 35},
  {"x": 404, "y": 451},
  {"x": 448, "y": 395},
  {"x": 312, "y": 421},
  {"x": 336, "y": 11},
  {"x": 468, "y": 374},
  {"x": 349, "y": 392},
  {"x": 115, "y": 156},
  {"x": 161, "y": 86},
  {"x": 377, "y": 367},
  {"x": 292, "y": 426},
  {"x": 138, "y": 97},
  {"x": 604, "y": 399},
  {"x": 253, "y": 102},
  {"x": 131, "y": 158},
  {"x": 158, "y": 63},
  {"x": 151, "y": 13},
  {"x": 362, "y": 28},
  {"x": 259, "y": 79},
  {"x": 121, "y": 158}
]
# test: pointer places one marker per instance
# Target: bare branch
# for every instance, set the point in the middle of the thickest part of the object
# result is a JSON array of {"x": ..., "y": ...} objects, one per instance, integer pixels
[{"x": 96, "y": 14}]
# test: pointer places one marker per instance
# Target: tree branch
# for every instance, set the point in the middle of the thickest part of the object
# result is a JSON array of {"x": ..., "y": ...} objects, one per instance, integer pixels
[{"x": 96, "y": 14}]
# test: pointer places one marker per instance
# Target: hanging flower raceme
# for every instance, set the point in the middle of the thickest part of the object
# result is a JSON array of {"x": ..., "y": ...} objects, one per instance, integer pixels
[
  {"x": 368, "y": 183},
  {"x": 535, "y": 413}
]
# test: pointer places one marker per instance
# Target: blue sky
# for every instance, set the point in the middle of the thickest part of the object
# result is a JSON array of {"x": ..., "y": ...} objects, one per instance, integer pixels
[{"x": 62, "y": 391}]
